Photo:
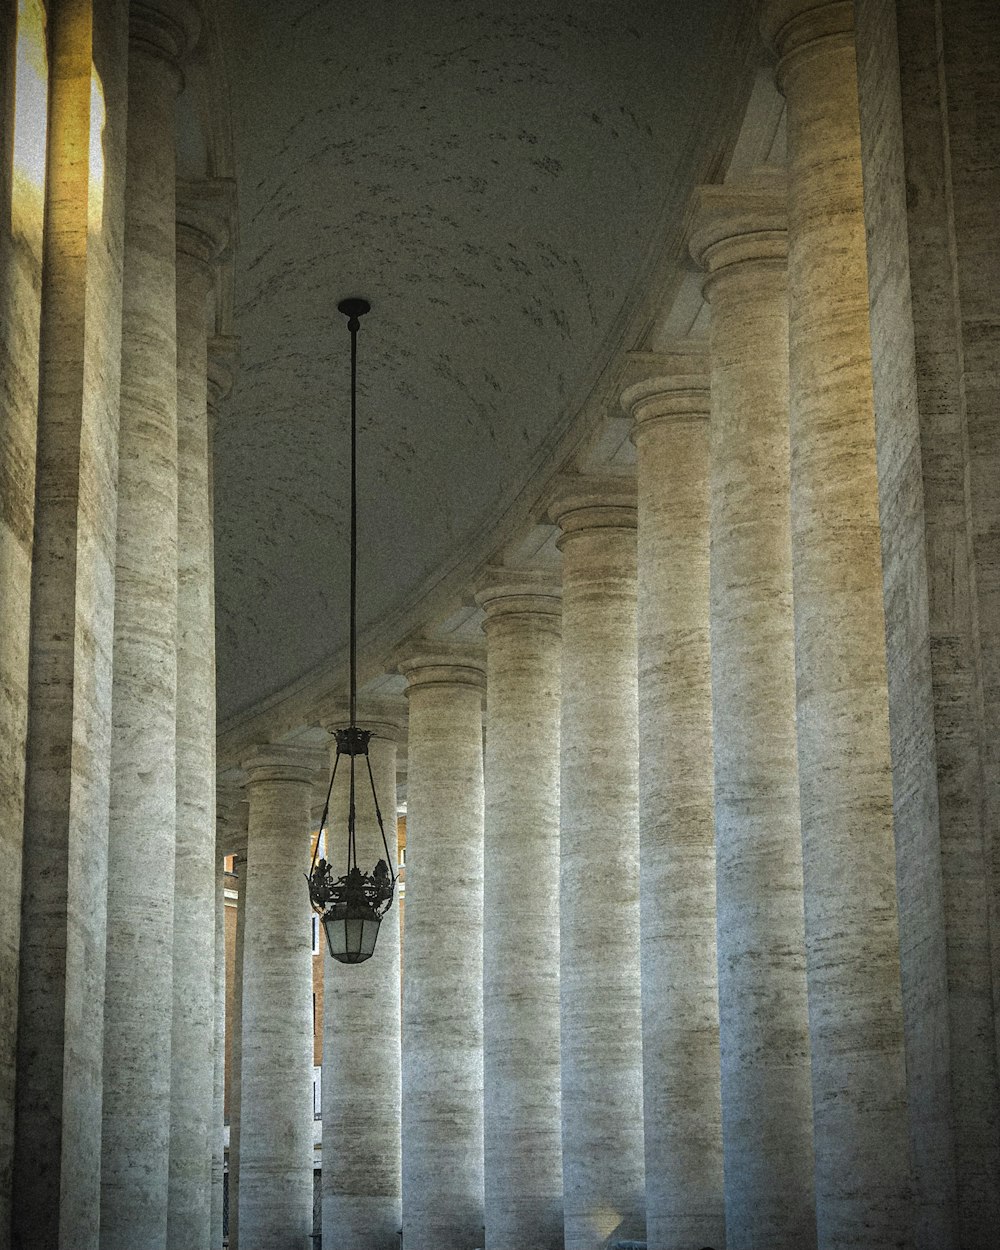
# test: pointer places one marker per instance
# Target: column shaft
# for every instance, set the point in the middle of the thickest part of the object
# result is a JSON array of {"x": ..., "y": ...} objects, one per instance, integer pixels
[
  {"x": 221, "y": 354},
  {"x": 443, "y": 969},
  {"x": 763, "y": 1007},
  {"x": 22, "y": 211},
  {"x": 64, "y": 883},
  {"x": 970, "y": 45},
  {"x": 193, "y": 1029},
  {"x": 361, "y": 1034},
  {"x": 923, "y": 262},
  {"x": 521, "y": 1079},
  {"x": 217, "y": 1129},
  {"x": 138, "y": 1001},
  {"x": 849, "y": 860},
  {"x": 276, "y": 1121},
  {"x": 922, "y": 496},
  {"x": 683, "y": 1133},
  {"x": 600, "y": 1011},
  {"x": 236, "y": 1053}
]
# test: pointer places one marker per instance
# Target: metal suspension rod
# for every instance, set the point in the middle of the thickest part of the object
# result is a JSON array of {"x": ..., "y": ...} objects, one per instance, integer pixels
[
  {"x": 353, "y": 310},
  {"x": 353, "y": 325}
]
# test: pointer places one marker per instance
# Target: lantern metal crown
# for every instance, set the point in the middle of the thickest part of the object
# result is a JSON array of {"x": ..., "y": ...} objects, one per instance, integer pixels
[{"x": 352, "y": 906}]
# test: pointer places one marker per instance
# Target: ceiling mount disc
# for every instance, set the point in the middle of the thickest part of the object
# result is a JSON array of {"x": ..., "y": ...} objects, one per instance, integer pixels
[{"x": 354, "y": 307}]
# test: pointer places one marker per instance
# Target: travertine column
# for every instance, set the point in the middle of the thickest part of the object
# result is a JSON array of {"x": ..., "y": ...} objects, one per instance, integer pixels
[
  {"x": 276, "y": 1149},
  {"x": 217, "y": 1125},
  {"x": 523, "y": 1155},
  {"x": 60, "y": 1022},
  {"x": 221, "y": 357},
  {"x": 852, "y": 928},
  {"x": 361, "y": 1032},
  {"x": 740, "y": 237},
  {"x": 236, "y": 1053},
  {"x": 601, "y": 1033},
  {"x": 138, "y": 1001},
  {"x": 201, "y": 234},
  {"x": 23, "y": 67},
  {"x": 443, "y": 969},
  {"x": 683, "y": 1130},
  {"x": 970, "y": 33},
  {"x": 927, "y": 89}
]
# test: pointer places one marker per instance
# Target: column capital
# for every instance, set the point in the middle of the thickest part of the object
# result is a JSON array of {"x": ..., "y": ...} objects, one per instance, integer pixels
[
  {"x": 206, "y": 210},
  {"x": 518, "y": 592},
  {"x": 223, "y": 356},
  {"x": 796, "y": 27},
  {"x": 430, "y": 663},
  {"x": 581, "y": 503},
  {"x": 675, "y": 387},
  {"x": 283, "y": 762},
  {"x": 740, "y": 223},
  {"x": 164, "y": 29}
]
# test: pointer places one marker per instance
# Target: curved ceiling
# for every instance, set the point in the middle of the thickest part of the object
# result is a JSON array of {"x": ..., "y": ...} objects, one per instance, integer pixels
[{"x": 493, "y": 179}]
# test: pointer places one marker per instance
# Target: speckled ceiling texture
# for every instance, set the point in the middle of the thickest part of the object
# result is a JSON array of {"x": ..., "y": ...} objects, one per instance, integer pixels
[{"x": 493, "y": 179}]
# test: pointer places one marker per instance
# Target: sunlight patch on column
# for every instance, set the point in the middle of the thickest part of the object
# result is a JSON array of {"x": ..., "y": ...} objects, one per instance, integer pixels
[
  {"x": 95, "y": 185},
  {"x": 31, "y": 75}
]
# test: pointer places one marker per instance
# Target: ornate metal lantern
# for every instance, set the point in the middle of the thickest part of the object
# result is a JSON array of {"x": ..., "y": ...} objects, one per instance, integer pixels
[{"x": 352, "y": 906}]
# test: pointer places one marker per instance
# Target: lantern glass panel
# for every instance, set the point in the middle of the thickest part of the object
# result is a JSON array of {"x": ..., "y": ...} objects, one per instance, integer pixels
[
  {"x": 369, "y": 936},
  {"x": 336, "y": 937}
]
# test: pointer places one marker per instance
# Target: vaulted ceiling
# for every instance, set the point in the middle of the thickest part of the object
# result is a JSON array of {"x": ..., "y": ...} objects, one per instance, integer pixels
[{"x": 498, "y": 180}]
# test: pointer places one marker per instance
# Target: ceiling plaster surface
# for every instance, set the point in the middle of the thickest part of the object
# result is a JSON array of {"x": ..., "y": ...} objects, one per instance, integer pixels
[{"x": 493, "y": 178}]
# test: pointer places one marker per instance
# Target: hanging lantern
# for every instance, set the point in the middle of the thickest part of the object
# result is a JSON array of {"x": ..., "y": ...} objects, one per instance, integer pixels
[{"x": 351, "y": 906}]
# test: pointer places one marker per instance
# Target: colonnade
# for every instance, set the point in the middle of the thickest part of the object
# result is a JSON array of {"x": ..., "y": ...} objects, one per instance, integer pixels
[
  {"x": 116, "y": 1132},
  {"x": 657, "y": 935},
  {"x": 720, "y": 755},
  {"x": 695, "y": 1032}
]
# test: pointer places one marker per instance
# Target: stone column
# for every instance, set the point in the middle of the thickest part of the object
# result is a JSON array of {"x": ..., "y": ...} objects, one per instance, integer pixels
[
  {"x": 927, "y": 87},
  {"x": 217, "y": 1126},
  {"x": 201, "y": 234},
  {"x": 863, "y": 1188},
  {"x": 276, "y": 1149},
  {"x": 221, "y": 358},
  {"x": 740, "y": 237},
  {"x": 138, "y": 998},
  {"x": 236, "y": 1053},
  {"x": 443, "y": 969},
  {"x": 361, "y": 1032},
  {"x": 683, "y": 1116},
  {"x": 523, "y": 1153},
  {"x": 601, "y": 1032},
  {"x": 63, "y": 882},
  {"x": 22, "y": 213}
]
